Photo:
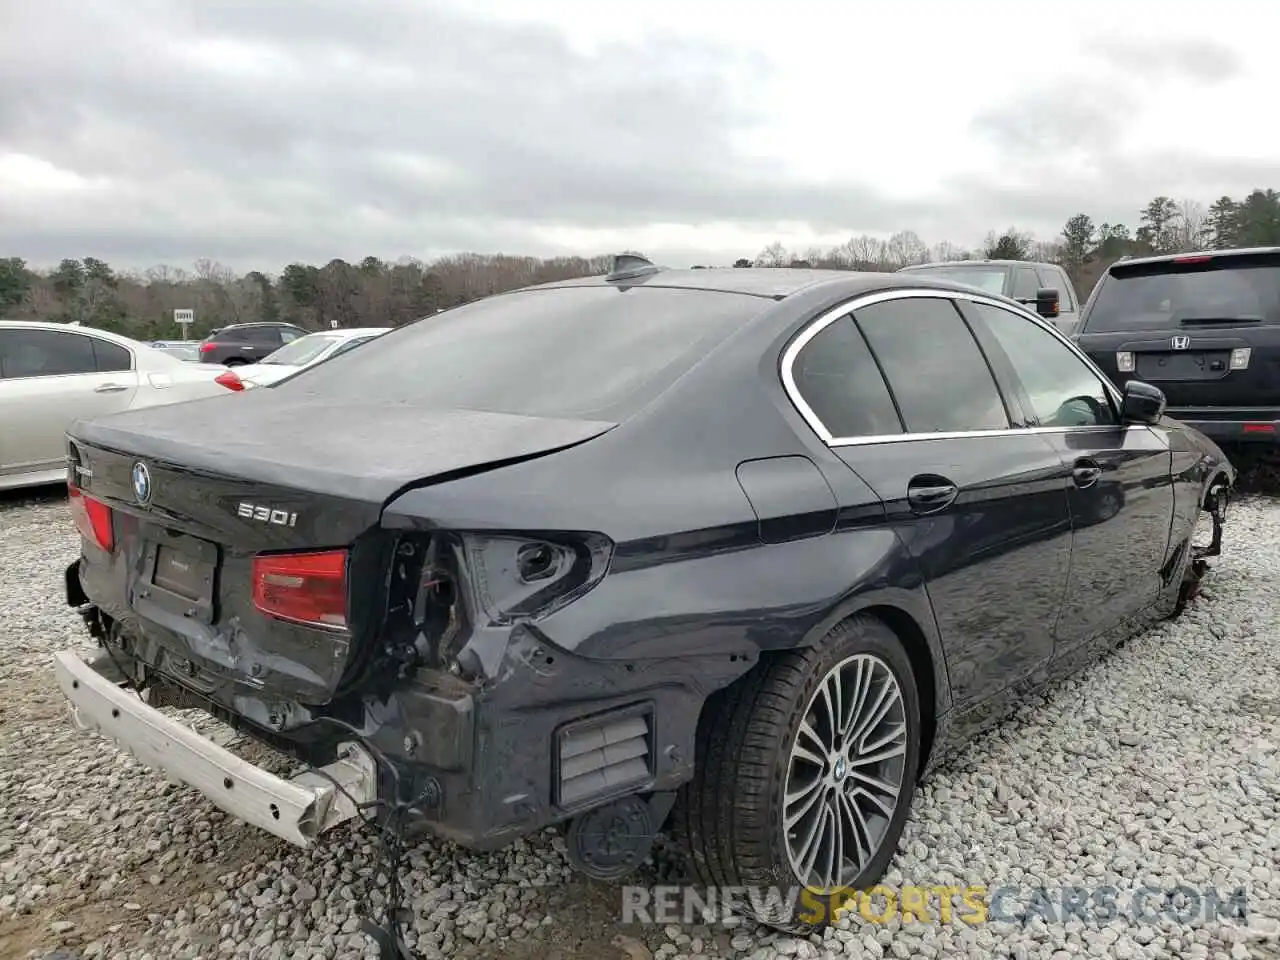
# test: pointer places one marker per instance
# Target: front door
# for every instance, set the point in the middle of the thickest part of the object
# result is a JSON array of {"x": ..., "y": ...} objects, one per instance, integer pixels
[
  {"x": 1121, "y": 490},
  {"x": 982, "y": 507}
]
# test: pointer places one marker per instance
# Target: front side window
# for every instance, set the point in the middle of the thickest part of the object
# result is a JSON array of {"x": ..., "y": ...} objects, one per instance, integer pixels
[
  {"x": 839, "y": 380},
  {"x": 1049, "y": 277},
  {"x": 1025, "y": 284},
  {"x": 45, "y": 353},
  {"x": 935, "y": 369},
  {"x": 1064, "y": 391}
]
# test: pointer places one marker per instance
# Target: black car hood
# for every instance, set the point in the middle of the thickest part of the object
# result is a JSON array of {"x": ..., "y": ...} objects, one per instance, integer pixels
[{"x": 353, "y": 449}]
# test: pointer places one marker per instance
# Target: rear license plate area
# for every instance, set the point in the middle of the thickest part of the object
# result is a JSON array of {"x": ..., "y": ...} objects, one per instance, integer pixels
[
  {"x": 1183, "y": 366},
  {"x": 178, "y": 575}
]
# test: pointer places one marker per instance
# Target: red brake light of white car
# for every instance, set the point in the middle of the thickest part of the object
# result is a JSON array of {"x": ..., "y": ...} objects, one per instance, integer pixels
[
  {"x": 92, "y": 518},
  {"x": 305, "y": 588},
  {"x": 229, "y": 380}
]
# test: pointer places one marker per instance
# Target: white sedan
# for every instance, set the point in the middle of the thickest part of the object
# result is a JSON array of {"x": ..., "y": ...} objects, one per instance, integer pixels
[
  {"x": 52, "y": 374},
  {"x": 305, "y": 352}
]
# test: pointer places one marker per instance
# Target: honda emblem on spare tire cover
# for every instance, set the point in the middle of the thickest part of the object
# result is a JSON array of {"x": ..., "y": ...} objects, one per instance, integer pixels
[{"x": 141, "y": 483}]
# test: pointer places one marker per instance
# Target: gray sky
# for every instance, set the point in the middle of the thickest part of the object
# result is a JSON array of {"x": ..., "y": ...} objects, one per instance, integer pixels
[{"x": 256, "y": 133}]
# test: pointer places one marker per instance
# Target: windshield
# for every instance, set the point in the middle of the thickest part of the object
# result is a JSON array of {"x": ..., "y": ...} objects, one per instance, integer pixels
[
  {"x": 182, "y": 353},
  {"x": 990, "y": 279},
  {"x": 560, "y": 352},
  {"x": 1168, "y": 294},
  {"x": 303, "y": 350}
]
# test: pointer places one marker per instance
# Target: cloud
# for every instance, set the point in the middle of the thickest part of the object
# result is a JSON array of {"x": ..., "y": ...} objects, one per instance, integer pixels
[
  {"x": 1196, "y": 58},
  {"x": 259, "y": 133}
]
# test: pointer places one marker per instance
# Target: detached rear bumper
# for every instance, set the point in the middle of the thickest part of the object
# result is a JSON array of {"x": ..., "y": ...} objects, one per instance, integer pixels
[
  {"x": 295, "y": 810},
  {"x": 1232, "y": 424}
]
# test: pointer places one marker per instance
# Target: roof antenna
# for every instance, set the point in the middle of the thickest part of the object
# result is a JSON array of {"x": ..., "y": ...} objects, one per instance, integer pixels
[{"x": 628, "y": 266}]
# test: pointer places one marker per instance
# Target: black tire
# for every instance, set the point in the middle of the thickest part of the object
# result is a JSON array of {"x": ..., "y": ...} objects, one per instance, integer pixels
[
  {"x": 730, "y": 814},
  {"x": 235, "y": 362}
]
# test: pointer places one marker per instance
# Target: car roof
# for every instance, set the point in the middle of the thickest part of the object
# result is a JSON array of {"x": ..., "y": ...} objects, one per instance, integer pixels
[
  {"x": 64, "y": 327},
  {"x": 774, "y": 283},
  {"x": 1170, "y": 257},
  {"x": 977, "y": 263},
  {"x": 257, "y": 323},
  {"x": 348, "y": 332}
]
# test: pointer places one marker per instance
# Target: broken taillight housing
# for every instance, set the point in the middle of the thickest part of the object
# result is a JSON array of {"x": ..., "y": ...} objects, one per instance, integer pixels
[
  {"x": 306, "y": 588},
  {"x": 514, "y": 577},
  {"x": 92, "y": 518}
]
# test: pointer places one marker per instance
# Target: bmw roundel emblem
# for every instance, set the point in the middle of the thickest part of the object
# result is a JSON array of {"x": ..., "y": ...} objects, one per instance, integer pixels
[{"x": 141, "y": 483}]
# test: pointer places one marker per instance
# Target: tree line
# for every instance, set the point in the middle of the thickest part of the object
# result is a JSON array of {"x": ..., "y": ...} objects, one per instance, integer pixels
[{"x": 378, "y": 293}]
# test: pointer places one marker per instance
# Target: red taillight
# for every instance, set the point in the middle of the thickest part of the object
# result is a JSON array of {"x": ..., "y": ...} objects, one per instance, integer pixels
[
  {"x": 230, "y": 380},
  {"x": 308, "y": 588},
  {"x": 1258, "y": 428},
  {"x": 1197, "y": 258},
  {"x": 206, "y": 348},
  {"x": 92, "y": 518}
]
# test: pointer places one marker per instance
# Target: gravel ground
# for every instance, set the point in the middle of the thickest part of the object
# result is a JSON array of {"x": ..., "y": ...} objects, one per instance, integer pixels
[{"x": 1159, "y": 766}]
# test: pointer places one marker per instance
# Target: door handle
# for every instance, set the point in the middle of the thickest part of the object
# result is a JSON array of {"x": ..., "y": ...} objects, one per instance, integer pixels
[
  {"x": 110, "y": 388},
  {"x": 927, "y": 493},
  {"x": 1086, "y": 473}
]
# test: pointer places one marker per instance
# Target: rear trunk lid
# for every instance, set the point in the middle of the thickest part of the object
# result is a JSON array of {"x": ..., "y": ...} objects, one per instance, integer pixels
[
  {"x": 1203, "y": 328},
  {"x": 226, "y": 482}
]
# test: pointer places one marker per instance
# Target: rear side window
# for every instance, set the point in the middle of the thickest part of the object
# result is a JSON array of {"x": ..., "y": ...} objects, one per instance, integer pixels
[
  {"x": 839, "y": 380},
  {"x": 938, "y": 375},
  {"x": 1198, "y": 293},
  {"x": 45, "y": 353},
  {"x": 589, "y": 351},
  {"x": 267, "y": 336},
  {"x": 111, "y": 357}
]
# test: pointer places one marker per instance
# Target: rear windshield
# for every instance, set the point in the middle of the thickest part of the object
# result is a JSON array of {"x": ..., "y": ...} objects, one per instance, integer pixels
[
  {"x": 568, "y": 352},
  {"x": 1158, "y": 296},
  {"x": 990, "y": 279}
]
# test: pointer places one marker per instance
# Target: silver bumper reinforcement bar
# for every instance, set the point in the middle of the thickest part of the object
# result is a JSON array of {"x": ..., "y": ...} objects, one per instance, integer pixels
[{"x": 296, "y": 810}]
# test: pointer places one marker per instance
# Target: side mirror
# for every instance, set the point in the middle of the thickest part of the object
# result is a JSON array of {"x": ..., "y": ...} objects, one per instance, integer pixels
[
  {"x": 1047, "y": 303},
  {"x": 1142, "y": 403}
]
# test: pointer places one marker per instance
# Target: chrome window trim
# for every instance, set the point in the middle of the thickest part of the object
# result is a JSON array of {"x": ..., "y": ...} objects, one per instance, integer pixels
[
  {"x": 829, "y": 317},
  {"x": 79, "y": 332}
]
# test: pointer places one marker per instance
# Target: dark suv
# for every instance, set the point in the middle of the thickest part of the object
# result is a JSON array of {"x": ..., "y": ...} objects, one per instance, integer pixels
[
  {"x": 1204, "y": 328},
  {"x": 1021, "y": 280},
  {"x": 246, "y": 342}
]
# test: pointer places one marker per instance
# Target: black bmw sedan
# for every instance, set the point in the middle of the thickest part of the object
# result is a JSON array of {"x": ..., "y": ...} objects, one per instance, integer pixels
[{"x": 746, "y": 551}]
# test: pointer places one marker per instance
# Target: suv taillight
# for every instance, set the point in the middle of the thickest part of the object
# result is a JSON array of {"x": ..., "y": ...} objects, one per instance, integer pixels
[
  {"x": 206, "y": 348},
  {"x": 306, "y": 588},
  {"x": 92, "y": 518}
]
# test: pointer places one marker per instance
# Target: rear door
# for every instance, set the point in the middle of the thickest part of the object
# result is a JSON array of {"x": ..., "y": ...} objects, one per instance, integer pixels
[
  {"x": 1205, "y": 329},
  {"x": 982, "y": 507},
  {"x": 1121, "y": 490},
  {"x": 48, "y": 380}
]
